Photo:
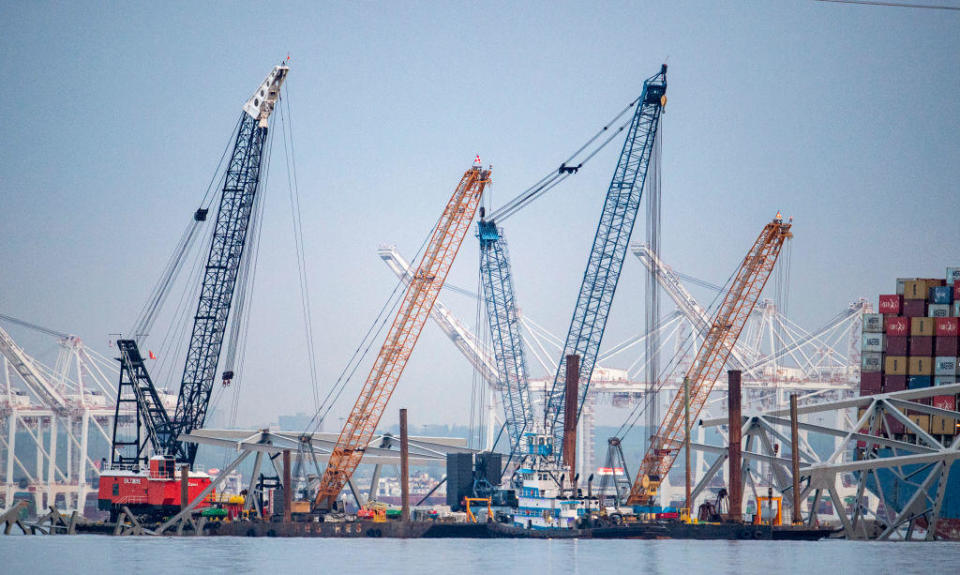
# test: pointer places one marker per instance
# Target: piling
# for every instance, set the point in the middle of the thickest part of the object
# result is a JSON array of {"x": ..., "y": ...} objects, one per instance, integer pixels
[
  {"x": 686, "y": 440},
  {"x": 404, "y": 468},
  {"x": 571, "y": 395},
  {"x": 734, "y": 423},
  {"x": 795, "y": 457},
  {"x": 184, "y": 486},
  {"x": 287, "y": 487}
]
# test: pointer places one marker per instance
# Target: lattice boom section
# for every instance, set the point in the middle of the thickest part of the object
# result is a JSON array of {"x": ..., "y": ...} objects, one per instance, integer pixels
[
  {"x": 609, "y": 249},
  {"x": 504, "y": 331},
  {"x": 418, "y": 300},
  {"x": 706, "y": 368}
]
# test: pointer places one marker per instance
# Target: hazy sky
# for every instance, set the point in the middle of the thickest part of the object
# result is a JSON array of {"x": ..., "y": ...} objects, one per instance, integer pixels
[{"x": 114, "y": 116}]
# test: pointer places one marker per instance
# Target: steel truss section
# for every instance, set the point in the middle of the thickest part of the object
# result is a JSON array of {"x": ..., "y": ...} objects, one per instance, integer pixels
[{"x": 867, "y": 451}]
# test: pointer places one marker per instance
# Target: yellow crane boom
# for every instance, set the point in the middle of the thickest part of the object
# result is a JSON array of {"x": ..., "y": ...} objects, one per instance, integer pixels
[
  {"x": 737, "y": 305},
  {"x": 418, "y": 300}
]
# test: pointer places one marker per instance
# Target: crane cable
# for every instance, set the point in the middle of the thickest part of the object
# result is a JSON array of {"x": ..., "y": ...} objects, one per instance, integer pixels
[
  {"x": 363, "y": 348},
  {"x": 553, "y": 178},
  {"x": 294, "y": 192},
  {"x": 246, "y": 279},
  {"x": 667, "y": 372},
  {"x": 161, "y": 290}
]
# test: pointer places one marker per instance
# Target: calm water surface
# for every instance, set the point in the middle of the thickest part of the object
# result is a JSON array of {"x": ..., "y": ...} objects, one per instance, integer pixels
[{"x": 145, "y": 555}]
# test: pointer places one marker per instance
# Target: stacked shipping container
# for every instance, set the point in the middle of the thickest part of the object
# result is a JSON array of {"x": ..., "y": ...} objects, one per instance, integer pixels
[{"x": 914, "y": 342}]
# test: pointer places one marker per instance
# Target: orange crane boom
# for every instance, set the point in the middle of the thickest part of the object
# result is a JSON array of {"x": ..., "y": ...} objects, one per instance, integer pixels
[
  {"x": 711, "y": 357},
  {"x": 418, "y": 300}
]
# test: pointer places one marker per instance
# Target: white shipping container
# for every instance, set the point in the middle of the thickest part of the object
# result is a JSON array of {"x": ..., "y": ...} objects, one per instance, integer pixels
[
  {"x": 945, "y": 366},
  {"x": 874, "y": 342},
  {"x": 938, "y": 310},
  {"x": 871, "y": 362},
  {"x": 872, "y": 323},
  {"x": 901, "y": 284},
  {"x": 944, "y": 380},
  {"x": 953, "y": 274}
]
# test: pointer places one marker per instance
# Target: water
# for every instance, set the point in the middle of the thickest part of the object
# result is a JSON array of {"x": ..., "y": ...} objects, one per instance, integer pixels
[{"x": 146, "y": 555}]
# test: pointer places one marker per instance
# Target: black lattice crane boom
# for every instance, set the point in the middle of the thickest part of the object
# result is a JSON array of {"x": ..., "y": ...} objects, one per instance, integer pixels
[{"x": 231, "y": 230}]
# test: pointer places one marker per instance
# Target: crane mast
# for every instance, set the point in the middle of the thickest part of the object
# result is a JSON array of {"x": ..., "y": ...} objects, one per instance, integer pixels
[
  {"x": 237, "y": 200},
  {"x": 415, "y": 307},
  {"x": 504, "y": 321},
  {"x": 718, "y": 343},
  {"x": 608, "y": 252}
]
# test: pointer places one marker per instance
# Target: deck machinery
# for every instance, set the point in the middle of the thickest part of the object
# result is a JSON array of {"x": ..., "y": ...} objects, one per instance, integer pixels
[{"x": 148, "y": 484}]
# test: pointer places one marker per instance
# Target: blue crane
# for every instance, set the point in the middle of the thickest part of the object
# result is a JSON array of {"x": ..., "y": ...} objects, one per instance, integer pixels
[
  {"x": 608, "y": 251},
  {"x": 223, "y": 265},
  {"x": 504, "y": 321}
]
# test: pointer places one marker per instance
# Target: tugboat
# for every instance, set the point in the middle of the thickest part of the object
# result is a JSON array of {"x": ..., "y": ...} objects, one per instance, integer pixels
[{"x": 543, "y": 500}]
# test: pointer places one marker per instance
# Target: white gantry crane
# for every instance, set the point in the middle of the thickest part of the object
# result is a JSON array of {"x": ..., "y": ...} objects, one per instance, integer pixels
[{"x": 55, "y": 423}]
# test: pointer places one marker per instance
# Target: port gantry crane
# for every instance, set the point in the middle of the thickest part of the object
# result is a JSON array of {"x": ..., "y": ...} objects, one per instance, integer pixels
[
  {"x": 240, "y": 187},
  {"x": 718, "y": 343},
  {"x": 608, "y": 252},
  {"x": 418, "y": 299}
]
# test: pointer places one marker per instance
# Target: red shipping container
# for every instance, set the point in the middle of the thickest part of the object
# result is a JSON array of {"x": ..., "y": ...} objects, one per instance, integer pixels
[
  {"x": 946, "y": 326},
  {"x": 890, "y": 304},
  {"x": 895, "y": 425},
  {"x": 871, "y": 383},
  {"x": 914, "y": 308},
  {"x": 921, "y": 345},
  {"x": 947, "y": 346},
  {"x": 898, "y": 325},
  {"x": 893, "y": 383},
  {"x": 896, "y": 345},
  {"x": 944, "y": 402}
]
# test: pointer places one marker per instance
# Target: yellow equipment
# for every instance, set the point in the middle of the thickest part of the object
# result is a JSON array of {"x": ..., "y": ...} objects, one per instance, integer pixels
[
  {"x": 470, "y": 515},
  {"x": 778, "y": 518}
]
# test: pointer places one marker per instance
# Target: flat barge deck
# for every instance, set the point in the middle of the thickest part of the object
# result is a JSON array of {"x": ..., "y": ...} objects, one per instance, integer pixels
[{"x": 439, "y": 530}]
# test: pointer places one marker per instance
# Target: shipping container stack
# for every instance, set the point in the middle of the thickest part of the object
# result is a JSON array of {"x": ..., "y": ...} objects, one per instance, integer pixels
[{"x": 913, "y": 343}]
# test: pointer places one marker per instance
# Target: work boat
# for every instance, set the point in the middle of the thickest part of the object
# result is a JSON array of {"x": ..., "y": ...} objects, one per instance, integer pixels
[{"x": 543, "y": 502}]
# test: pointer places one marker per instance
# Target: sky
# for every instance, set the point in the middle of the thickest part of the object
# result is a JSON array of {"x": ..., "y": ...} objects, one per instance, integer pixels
[{"x": 115, "y": 115}]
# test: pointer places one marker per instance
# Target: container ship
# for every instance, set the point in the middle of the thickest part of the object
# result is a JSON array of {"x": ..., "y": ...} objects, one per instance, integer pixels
[{"x": 913, "y": 343}]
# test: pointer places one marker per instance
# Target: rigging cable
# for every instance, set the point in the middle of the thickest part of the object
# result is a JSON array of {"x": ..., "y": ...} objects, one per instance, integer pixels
[
  {"x": 549, "y": 181},
  {"x": 294, "y": 193},
  {"x": 373, "y": 332},
  {"x": 162, "y": 288}
]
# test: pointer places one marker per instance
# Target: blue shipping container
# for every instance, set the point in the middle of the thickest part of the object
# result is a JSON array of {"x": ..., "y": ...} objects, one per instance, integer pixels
[
  {"x": 944, "y": 380},
  {"x": 919, "y": 381},
  {"x": 941, "y": 294}
]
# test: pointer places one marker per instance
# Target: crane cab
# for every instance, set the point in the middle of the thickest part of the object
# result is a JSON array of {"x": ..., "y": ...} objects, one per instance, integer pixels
[
  {"x": 152, "y": 492},
  {"x": 540, "y": 444}
]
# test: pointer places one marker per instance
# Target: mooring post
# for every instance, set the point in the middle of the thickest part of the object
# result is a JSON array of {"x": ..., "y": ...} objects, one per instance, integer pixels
[
  {"x": 686, "y": 441},
  {"x": 570, "y": 404},
  {"x": 184, "y": 486},
  {"x": 795, "y": 456},
  {"x": 734, "y": 424},
  {"x": 287, "y": 487},
  {"x": 404, "y": 468}
]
